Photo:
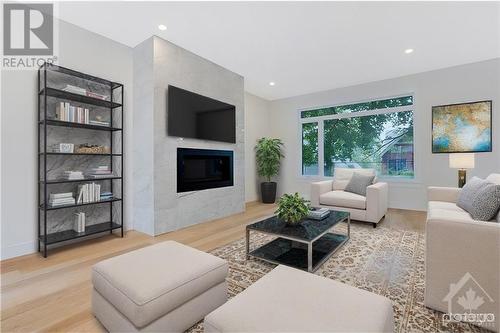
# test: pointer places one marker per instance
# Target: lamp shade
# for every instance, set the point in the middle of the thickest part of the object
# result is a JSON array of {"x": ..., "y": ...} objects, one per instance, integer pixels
[{"x": 462, "y": 161}]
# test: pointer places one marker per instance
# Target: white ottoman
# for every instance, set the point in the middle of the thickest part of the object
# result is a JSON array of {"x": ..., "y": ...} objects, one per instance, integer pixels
[
  {"x": 167, "y": 287},
  {"x": 290, "y": 300}
]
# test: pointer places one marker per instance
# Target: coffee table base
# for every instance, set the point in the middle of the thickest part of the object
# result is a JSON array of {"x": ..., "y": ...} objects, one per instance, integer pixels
[{"x": 295, "y": 254}]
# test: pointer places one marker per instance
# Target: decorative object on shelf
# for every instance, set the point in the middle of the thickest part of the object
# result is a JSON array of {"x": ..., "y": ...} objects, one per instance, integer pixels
[
  {"x": 79, "y": 222},
  {"x": 462, "y": 162},
  {"x": 462, "y": 128},
  {"x": 268, "y": 154},
  {"x": 292, "y": 208},
  {"x": 63, "y": 115},
  {"x": 92, "y": 149},
  {"x": 63, "y": 148},
  {"x": 61, "y": 199},
  {"x": 317, "y": 213}
]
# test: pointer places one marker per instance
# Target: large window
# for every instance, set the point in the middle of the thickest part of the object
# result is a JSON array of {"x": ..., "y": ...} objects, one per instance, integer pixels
[{"x": 375, "y": 134}]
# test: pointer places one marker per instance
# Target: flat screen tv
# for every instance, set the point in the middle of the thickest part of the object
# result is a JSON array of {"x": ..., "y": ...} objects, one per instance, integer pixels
[{"x": 191, "y": 115}]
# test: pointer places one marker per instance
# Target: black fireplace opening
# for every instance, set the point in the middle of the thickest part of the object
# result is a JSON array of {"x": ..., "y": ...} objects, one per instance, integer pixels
[{"x": 200, "y": 169}]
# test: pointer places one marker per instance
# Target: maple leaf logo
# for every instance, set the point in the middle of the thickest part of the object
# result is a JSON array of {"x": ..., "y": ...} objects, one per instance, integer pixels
[{"x": 470, "y": 301}]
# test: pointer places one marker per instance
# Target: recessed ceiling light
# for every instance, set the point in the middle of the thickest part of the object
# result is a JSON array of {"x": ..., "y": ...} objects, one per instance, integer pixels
[
  {"x": 162, "y": 27},
  {"x": 272, "y": 83},
  {"x": 408, "y": 51}
]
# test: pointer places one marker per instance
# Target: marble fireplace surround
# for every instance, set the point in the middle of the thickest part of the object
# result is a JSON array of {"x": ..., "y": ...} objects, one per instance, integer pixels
[{"x": 158, "y": 208}]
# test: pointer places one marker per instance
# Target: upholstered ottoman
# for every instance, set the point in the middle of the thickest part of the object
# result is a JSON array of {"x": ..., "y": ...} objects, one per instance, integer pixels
[
  {"x": 290, "y": 300},
  {"x": 167, "y": 287}
]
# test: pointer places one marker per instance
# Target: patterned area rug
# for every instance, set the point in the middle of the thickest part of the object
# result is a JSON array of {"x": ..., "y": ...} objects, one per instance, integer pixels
[{"x": 385, "y": 261}]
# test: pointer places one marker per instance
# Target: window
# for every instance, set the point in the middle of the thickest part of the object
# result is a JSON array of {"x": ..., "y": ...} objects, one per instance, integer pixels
[{"x": 375, "y": 134}]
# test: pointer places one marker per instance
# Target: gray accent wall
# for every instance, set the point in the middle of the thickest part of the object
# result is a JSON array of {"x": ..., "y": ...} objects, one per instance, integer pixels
[{"x": 155, "y": 152}]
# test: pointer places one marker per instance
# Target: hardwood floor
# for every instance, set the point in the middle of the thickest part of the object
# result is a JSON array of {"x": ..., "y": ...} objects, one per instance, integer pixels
[{"x": 53, "y": 294}]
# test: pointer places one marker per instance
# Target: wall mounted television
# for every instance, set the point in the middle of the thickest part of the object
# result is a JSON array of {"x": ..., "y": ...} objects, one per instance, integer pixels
[{"x": 191, "y": 115}]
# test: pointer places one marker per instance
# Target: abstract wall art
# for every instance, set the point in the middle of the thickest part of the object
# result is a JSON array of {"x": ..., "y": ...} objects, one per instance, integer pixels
[{"x": 462, "y": 128}]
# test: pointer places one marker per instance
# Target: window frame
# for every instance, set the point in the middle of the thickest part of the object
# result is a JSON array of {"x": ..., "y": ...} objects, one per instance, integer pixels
[{"x": 320, "y": 120}]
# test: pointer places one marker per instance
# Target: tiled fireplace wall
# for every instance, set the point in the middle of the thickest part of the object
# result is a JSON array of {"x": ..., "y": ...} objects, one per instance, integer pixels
[{"x": 158, "y": 208}]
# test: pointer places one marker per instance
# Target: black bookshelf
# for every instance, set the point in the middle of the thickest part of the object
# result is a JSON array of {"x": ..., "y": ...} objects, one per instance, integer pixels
[{"x": 51, "y": 82}]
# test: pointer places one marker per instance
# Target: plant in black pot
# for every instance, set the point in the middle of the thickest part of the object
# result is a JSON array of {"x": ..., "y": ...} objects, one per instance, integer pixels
[
  {"x": 268, "y": 154},
  {"x": 292, "y": 208}
]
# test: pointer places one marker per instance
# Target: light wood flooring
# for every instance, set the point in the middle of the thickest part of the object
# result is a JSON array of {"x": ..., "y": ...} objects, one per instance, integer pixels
[{"x": 53, "y": 294}]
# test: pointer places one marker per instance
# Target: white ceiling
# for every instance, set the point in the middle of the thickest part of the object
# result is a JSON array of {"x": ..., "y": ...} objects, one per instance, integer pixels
[{"x": 306, "y": 46}]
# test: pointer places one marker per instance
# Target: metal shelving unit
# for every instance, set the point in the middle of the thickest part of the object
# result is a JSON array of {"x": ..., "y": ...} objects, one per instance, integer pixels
[{"x": 50, "y": 79}]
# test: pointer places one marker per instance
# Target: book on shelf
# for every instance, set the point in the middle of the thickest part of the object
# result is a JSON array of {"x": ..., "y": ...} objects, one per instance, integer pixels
[
  {"x": 81, "y": 91},
  {"x": 73, "y": 175},
  {"x": 74, "y": 114},
  {"x": 101, "y": 171},
  {"x": 79, "y": 225},
  {"x": 88, "y": 193},
  {"x": 60, "y": 199},
  {"x": 99, "y": 123},
  {"x": 106, "y": 196}
]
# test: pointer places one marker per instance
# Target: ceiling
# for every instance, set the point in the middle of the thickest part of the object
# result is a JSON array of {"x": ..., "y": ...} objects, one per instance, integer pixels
[{"x": 306, "y": 46}]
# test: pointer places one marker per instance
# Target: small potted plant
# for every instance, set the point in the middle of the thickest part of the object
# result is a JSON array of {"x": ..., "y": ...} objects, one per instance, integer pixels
[
  {"x": 292, "y": 208},
  {"x": 268, "y": 155}
]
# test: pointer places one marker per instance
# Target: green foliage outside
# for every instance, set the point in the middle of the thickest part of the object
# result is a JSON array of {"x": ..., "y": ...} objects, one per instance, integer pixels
[
  {"x": 292, "y": 208},
  {"x": 268, "y": 155},
  {"x": 362, "y": 140}
]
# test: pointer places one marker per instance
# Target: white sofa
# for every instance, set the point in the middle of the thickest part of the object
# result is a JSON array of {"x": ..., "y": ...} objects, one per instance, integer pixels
[
  {"x": 460, "y": 251},
  {"x": 331, "y": 194}
]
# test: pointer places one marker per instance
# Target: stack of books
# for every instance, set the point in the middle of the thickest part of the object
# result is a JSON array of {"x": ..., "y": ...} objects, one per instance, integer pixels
[
  {"x": 318, "y": 213},
  {"x": 82, "y": 91},
  {"x": 79, "y": 222},
  {"x": 99, "y": 123},
  {"x": 88, "y": 193},
  {"x": 106, "y": 196},
  {"x": 60, "y": 199},
  {"x": 100, "y": 171},
  {"x": 73, "y": 175},
  {"x": 74, "y": 114}
]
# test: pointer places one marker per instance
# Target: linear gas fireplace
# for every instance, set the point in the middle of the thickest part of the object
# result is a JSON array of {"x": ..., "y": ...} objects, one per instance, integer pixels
[{"x": 200, "y": 169}]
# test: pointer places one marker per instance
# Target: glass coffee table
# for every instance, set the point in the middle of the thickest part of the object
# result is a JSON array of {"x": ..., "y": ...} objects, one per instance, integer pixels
[{"x": 306, "y": 245}]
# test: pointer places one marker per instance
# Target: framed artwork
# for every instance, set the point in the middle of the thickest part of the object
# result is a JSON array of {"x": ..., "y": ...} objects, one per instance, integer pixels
[{"x": 462, "y": 128}]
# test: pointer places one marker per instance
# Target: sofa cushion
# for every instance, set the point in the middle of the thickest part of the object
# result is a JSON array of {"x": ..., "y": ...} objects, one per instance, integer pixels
[
  {"x": 445, "y": 206},
  {"x": 146, "y": 284},
  {"x": 359, "y": 183},
  {"x": 480, "y": 198},
  {"x": 342, "y": 176},
  {"x": 343, "y": 199},
  {"x": 290, "y": 300}
]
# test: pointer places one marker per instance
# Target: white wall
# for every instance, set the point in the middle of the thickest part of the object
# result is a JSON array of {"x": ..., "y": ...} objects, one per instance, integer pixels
[
  {"x": 256, "y": 126},
  {"x": 472, "y": 82},
  {"x": 83, "y": 51}
]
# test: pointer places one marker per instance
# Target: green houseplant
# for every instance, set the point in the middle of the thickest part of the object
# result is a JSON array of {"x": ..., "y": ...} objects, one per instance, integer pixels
[
  {"x": 292, "y": 208},
  {"x": 268, "y": 155}
]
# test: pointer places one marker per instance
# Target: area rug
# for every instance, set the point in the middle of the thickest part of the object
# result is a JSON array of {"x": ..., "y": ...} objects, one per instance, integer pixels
[{"x": 385, "y": 261}]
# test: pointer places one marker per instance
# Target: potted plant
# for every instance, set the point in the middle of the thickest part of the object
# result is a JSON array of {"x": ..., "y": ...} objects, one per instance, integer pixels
[
  {"x": 292, "y": 208},
  {"x": 268, "y": 154}
]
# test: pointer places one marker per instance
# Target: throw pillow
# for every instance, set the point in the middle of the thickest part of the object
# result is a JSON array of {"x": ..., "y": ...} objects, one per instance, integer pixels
[
  {"x": 359, "y": 183},
  {"x": 480, "y": 198}
]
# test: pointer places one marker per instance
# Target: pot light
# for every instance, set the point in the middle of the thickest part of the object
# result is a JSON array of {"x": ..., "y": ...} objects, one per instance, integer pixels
[
  {"x": 408, "y": 51},
  {"x": 272, "y": 83},
  {"x": 162, "y": 27}
]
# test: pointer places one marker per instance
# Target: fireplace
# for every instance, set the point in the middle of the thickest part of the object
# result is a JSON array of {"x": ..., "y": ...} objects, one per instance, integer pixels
[{"x": 200, "y": 169}]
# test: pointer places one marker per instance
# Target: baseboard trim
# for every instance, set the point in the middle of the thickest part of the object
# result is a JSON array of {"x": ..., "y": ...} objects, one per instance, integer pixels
[{"x": 17, "y": 250}]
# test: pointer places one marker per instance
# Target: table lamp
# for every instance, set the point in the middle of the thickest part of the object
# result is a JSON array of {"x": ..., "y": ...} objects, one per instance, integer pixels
[{"x": 462, "y": 162}]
